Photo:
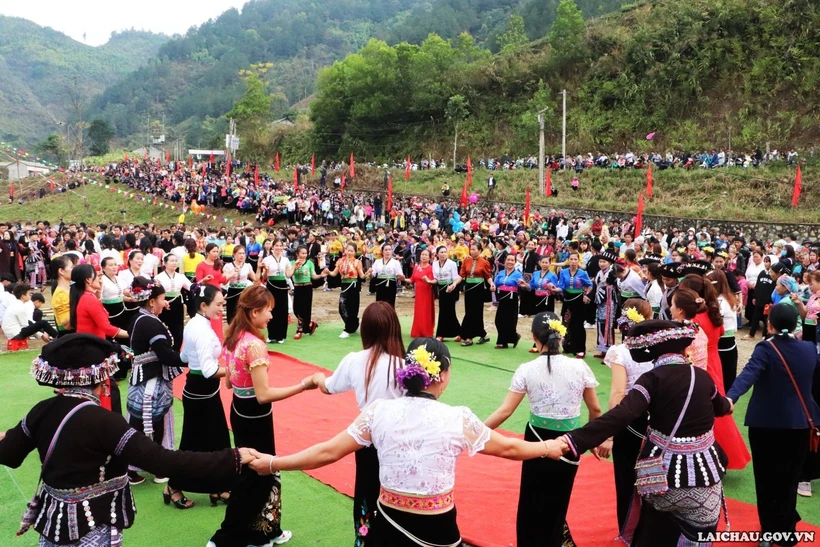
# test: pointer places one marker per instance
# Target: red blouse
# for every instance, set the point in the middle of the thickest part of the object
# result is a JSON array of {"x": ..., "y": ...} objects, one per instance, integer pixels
[
  {"x": 92, "y": 318},
  {"x": 203, "y": 270}
]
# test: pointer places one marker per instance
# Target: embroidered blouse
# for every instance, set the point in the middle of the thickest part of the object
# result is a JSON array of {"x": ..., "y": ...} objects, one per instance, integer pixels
[
  {"x": 200, "y": 346},
  {"x": 391, "y": 267},
  {"x": 242, "y": 281},
  {"x": 447, "y": 273},
  {"x": 276, "y": 267},
  {"x": 510, "y": 281},
  {"x": 418, "y": 442},
  {"x": 574, "y": 283},
  {"x": 482, "y": 268},
  {"x": 540, "y": 282},
  {"x": 111, "y": 289},
  {"x": 557, "y": 394},
  {"x": 250, "y": 352},
  {"x": 173, "y": 284},
  {"x": 348, "y": 269},
  {"x": 812, "y": 309},
  {"x": 618, "y": 355}
]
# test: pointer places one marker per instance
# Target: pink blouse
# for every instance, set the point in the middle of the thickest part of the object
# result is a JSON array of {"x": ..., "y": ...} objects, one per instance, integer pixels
[
  {"x": 698, "y": 352},
  {"x": 250, "y": 352}
]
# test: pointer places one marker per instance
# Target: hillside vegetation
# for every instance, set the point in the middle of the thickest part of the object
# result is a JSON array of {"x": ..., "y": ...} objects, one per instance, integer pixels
[{"x": 40, "y": 66}]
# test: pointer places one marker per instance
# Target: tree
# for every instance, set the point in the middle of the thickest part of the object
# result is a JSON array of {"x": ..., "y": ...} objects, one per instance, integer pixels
[
  {"x": 254, "y": 104},
  {"x": 567, "y": 34},
  {"x": 100, "y": 133},
  {"x": 252, "y": 113},
  {"x": 457, "y": 111},
  {"x": 52, "y": 146},
  {"x": 514, "y": 37}
]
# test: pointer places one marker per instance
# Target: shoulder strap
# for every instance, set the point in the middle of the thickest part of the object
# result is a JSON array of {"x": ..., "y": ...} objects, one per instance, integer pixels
[
  {"x": 794, "y": 383},
  {"x": 60, "y": 429},
  {"x": 683, "y": 410}
]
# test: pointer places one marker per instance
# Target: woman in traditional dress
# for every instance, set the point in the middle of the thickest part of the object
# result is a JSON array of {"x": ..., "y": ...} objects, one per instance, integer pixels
[
  {"x": 335, "y": 248},
  {"x": 150, "y": 261},
  {"x": 112, "y": 295},
  {"x": 780, "y": 419},
  {"x": 529, "y": 263},
  {"x": 475, "y": 271},
  {"x": 85, "y": 499},
  {"x": 371, "y": 375},
  {"x": 606, "y": 303},
  {"x": 204, "y": 428},
  {"x": 681, "y": 498},
  {"x": 133, "y": 265},
  {"x": 274, "y": 268},
  {"x": 61, "y": 268},
  {"x": 440, "y": 432},
  {"x": 240, "y": 275},
  {"x": 387, "y": 272},
  {"x": 424, "y": 309},
  {"x": 303, "y": 272},
  {"x": 209, "y": 272},
  {"x": 507, "y": 282},
  {"x": 630, "y": 284},
  {"x": 727, "y": 346},
  {"x": 626, "y": 445},
  {"x": 710, "y": 321},
  {"x": 254, "y": 516},
  {"x": 349, "y": 268},
  {"x": 445, "y": 272},
  {"x": 151, "y": 390},
  {"x": 175, "y": 285},
  {"x": 555, "y": 386},
  {"x": 576, "y": 286},
  {"x": 190, "y": 261}
]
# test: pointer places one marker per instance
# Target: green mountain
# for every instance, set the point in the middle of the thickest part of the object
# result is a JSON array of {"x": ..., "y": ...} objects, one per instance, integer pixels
[
  {"x": 193, "y": 80},
  {"x": 42, "y": 68}
]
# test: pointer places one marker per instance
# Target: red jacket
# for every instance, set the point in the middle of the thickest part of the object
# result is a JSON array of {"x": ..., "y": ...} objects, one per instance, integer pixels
[{"x": 92, "y": 318}]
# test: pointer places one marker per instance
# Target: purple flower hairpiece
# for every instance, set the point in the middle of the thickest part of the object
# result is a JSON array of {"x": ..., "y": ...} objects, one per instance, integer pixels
[{"x": 413, "y": 369}]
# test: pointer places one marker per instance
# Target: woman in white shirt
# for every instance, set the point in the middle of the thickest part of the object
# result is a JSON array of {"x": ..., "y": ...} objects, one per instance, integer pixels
[
  {"x": 174, "y": 283},
  {"x": 555, "y": 386},
  {"x": 727, "y": 345},
  {"x": 240, "y": 276},
  {"x": 388, "y": 273},
  {"x": 371, "y": 375},
  {"x": 626, "y": 445},
  {"x": 204, "y": 427},
  {"x": 150, "y": 262},
  {"x": 653, "y": 291},
  {"x": 126, "y": 278},
  {"x": 111, "y": 294},
  {"x": 418, "y": 440},
  {"x": 275, "y": 268},
  {"x": 445, "y": 272}
]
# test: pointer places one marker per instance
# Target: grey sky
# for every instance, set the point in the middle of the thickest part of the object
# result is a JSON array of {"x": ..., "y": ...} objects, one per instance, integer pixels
[{"x": 99, "y": 18}]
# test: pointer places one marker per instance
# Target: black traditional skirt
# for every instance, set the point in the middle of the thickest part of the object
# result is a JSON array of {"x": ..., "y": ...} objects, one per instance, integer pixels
[
  {"x": 118, "y": 315},
  {"x": 366, "y": 492},
  {"x": 473, "y": 324},
  {"x": 448, "y": 325},
  {"x": 349, "y": 305},
  {"x": 572, "y": 315},
  {"x": 394, "y": 528},
  {"x": 727, "y": 350},
  {"x": 204, "y": 428},
  {"x": 303, "y": 306},
  {"x": 544, "y": 301},
  {"x": 231, "y": 301},
  {"x": 333, "y": 282},
  {"x": 506, "y": 317},
  {"x": 543, "y": 500},
  {"x": 386, "y": 291},
  {"x": 174, "y": 319},
  {"x": 278, "y": 325},
  {"x": 626, "y": 446},
  {"x": 254, "y": 515}
]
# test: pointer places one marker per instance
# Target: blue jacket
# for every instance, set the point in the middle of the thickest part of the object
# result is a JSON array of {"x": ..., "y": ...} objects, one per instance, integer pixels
[{"x": 774, "y": 402}]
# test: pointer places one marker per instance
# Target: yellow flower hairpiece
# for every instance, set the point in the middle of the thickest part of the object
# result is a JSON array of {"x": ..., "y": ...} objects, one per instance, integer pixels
[
  {"x": 634, "y": 315},
  {"x": 427, "y": 361},
  {"x": 558, "y": 327}
]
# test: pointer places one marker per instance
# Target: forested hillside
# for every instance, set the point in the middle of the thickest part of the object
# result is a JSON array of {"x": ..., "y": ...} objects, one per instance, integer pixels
[
  {"x": 194, "y": 79},
  {"x": 698, "y": 73},
  {"x": 40, "y": 65}
]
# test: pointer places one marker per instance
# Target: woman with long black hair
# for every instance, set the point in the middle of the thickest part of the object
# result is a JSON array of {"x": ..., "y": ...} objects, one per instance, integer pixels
[
  {"x": 507, "y": 283},
  {"x": 254, "y": 515},
  {"x": 727, "y": 346},
  {"x": 275, "y": 268},
  {"x": 125, "y": 278},
  {"x": 475, "y": 271},
  {"x": 387, "y": 272},
  {"x": 576, "y": 286},
  {"x": 371, "y": 374},
  {"x": 555, "y": 386},
  {"x": 349, "y": 268},
  {"x": 240, "y": 276},
  {"x": 303, "y": 274},
  {"x": 445, "y": 272},
  {"x": 175, "y": 285}
]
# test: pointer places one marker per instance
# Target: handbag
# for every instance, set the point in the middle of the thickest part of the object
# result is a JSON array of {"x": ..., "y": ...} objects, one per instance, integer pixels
[
  {"x": 33, "y": 507},
  {"x": 651, "y": 473},
  {"x": 814, "y": 432}
]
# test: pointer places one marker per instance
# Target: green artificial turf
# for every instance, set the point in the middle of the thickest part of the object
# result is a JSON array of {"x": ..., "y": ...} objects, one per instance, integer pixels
[
  {"x": 314, "y": 512},
  {"x": 481, "y": 376}
]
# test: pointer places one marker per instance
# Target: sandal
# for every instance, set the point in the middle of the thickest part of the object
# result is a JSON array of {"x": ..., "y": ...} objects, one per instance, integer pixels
[
  {"x": 224, "y": 497},
  {"x": 466, "y": 343},
  {"x": 747, "y": 337},
  {"x": 180, "y": 503}
]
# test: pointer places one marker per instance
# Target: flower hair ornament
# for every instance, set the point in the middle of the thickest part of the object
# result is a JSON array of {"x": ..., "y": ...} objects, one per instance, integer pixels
[
  {"x": 202, "y": 290},
  {"x": 141, "y": 294},
  {"x": 423, "y": 363},
  {"x": 556, "y": 326},
  {"x": 630, "y": 317}
]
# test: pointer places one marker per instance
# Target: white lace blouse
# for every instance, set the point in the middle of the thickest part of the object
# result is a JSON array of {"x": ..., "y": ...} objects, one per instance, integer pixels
[
  {"x": 557, "y": 394},
  {"x": 418, "y": 442},
  {"x": 619, "y": 355},
  {"x": 111, "y": 290}
]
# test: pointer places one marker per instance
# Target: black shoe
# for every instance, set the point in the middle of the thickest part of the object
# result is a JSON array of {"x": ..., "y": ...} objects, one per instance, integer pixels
[
  {"x": 517, "y": 339},
  {"x": 483, "y": 340},
  {"x": 135, "y": 478}
]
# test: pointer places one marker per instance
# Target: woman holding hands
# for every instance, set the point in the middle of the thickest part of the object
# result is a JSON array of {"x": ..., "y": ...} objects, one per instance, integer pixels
[
  {"x": 507, "y": 283},
  {"x": 349, "y": 268}
]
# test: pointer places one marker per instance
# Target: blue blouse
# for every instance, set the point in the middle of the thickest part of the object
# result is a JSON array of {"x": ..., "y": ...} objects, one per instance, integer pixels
[
  {"x": 575, "y": 283},
  {"x": 502, "y": 279},
  {"x": 540, "y": 282}
]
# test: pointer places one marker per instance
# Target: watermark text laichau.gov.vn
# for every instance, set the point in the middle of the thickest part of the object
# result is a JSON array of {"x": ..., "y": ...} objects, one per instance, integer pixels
[{"x": 741, "y": 536}]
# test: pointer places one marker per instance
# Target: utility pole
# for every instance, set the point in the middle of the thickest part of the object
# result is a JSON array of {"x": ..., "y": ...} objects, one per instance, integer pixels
[
  {"x": 564, "y": 138},
  {"x": 541, "y": 152}
]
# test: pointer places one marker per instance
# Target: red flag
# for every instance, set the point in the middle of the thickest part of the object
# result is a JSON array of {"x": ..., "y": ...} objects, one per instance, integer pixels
[
  {"x": 389, "y": 197},
  {"x": 639, "y": 216},
  {"x": 527, "y": 208},
  {"x": 548, "y": 182},
  {"x": 11, "y": 190},
  {"x": 313, "y": 164},
  {"x": 167, "y": 157},
  {"x": 51, "y": 185},
  {"x": 276, "y": 164},
  {"x": 203, "y": 170},
  {"x": 798, "y": 187},
  {"x": 649, "y": 181},
  {"x": 190, "y": 162},
  {"x": 464, "y": 194},
  {"x": 295, "y": 177},
  {"x": 469, "y": 172},
  {"x": 407, "y": 168},
  {"x": 211, "y": 159},
  {"x": 352, "y": 167},
  {"x": 126, "y": 156},
  {"x": 256, "y": 174},
  {"x": 343, "y": 182},
  {"x": 248, "y": 168},
  {"x": 228, "y": 167}
]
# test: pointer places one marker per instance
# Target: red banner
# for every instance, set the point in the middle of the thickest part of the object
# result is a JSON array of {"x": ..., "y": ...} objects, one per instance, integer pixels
[
  {"x": 649, "y": 181},
  {"x": 469, "y": 172},
  {"x": 639, "y": 216},
  {"x": 798, "y": 187},
  {"x": 352, "y": 167},
  {"x": 276, "y": 163},
  {"x": 407, "y": 168},
  {"x": 527, "y": 208},
  {"x": 312, "y": 164}
]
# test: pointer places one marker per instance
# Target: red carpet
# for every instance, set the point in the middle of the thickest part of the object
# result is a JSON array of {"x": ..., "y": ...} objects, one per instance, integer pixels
[{"x": 486, "y": 488}]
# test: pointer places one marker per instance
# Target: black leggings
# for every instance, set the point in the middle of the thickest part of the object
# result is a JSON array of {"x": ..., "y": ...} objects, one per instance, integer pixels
[
  {"x": 35, "y": 327},
  {"x": 757, "y": 317}
]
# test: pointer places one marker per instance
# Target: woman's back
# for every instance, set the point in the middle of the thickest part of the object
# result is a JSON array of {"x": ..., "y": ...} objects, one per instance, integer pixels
[
  {"x": 556, "y": 394},
  {"x": 351, "y": 374}
]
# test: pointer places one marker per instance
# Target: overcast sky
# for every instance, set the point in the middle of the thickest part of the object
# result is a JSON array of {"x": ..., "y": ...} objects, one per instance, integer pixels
[{"x": 97, "y": 19}]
